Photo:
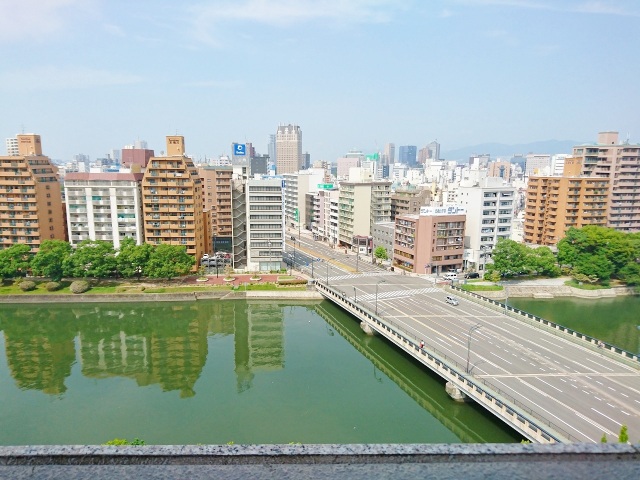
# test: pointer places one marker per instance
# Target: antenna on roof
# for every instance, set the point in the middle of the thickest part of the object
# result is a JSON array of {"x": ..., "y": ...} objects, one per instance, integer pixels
[{"x": 626, "y": 142}]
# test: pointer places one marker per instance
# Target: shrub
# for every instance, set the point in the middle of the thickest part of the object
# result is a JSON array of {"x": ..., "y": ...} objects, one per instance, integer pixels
[
  {"x": 79, "y": 286},
  {"x": 27, "y": 285},
  {"x": 52, "y": 286},
  {"x": 293, "y": 281}
]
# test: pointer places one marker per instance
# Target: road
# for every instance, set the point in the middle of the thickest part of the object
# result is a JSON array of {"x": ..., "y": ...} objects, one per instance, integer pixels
[{"x": 581, "y": 392}]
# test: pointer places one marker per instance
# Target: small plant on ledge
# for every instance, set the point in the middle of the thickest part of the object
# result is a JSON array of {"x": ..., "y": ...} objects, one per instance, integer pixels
[
  {"x": 255, "y": 276},
  {"x": 202, "y": 277},
  {"x": 228, "y": 274}
]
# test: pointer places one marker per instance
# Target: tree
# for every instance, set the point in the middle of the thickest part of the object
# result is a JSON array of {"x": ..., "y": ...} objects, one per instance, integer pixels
[
  {"x": 509, "y": 258},
  {"x": 380, "y": 253},
  {"x": 132, "y": 259},
  {"x": 597, "y": 265},
  {"x": 15, "y": 261},
  {"x": 91, "y": 259},
  {"x": 50, "y": 259},
  {"x": 169, "y": 261},
  {"x": 543, "y": 261},
  {"x": 624, "y": 434}
]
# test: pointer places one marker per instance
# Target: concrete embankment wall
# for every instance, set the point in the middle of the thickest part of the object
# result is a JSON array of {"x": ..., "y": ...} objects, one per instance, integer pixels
[
  {"x": 163, "y": 297},
  {"x": 541, "y": 291}
]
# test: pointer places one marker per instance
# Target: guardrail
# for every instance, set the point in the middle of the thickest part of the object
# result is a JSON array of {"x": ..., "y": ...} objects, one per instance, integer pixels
[
  {"x": 518, "y": 415},
  {"x": 557, "y": 329}
]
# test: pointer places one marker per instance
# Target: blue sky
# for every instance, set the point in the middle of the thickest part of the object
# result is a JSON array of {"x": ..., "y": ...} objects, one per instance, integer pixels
[{"x": 92, "y": 75}]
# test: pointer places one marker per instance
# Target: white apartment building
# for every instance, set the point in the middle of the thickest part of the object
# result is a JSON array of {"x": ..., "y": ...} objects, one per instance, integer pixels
[
  {"x": 325, "y": 215},
  {"x": 490, "y": 205},
  {"x": 13, "y": 149},
  {"x": 537, "y": 164},
  {"x": 264, "y": 224},
  {"x": 104, "y": 206},
  {"x": 296, "y": 187}
]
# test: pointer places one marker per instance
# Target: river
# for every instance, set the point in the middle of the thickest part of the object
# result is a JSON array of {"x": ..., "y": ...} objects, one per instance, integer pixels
[{"x": 215, "y": 372}]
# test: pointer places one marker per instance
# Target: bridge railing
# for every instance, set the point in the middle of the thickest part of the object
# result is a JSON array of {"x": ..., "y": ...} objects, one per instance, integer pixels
[
  {"x": 555, "y": 328},
  {"x": 491, "y": 397}
]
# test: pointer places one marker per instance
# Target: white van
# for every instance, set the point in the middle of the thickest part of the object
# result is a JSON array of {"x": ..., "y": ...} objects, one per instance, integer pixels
[{"x": 452, "y": 300}]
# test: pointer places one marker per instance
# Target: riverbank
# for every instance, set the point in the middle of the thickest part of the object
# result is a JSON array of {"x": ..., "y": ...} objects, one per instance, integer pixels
[
  {"x": 554, "y": 291},
  {"x": 213, "y": 288}
]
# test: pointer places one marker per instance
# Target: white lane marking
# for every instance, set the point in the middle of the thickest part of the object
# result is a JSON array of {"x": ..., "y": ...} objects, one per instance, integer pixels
[
  {"x": 624, "y": 394},
  {"x": 599, "y": 382},
  {"x": 495, "y": 354},
  {"x": 563, "y": 380},
  {"x": 546, "y": 383},
  {"x": 574, "y": 386},
  {"x": 625, "y": 412},
  {"x": 611, "y": 388},
  {"x": 588, "y": 393},
  {"x": 612, "y": 406},
  {"x": 597, "y": 398},
  {"x": 599, "y": 364},
  {"x": 606, "y": 416}
]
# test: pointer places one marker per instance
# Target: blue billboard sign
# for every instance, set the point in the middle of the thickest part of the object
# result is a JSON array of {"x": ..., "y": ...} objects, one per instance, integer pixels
[{"x": 239, "y": 149}]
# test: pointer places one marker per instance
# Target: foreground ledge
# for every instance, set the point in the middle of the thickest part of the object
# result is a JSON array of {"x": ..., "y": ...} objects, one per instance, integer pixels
[{"x": 512, "y": 461}]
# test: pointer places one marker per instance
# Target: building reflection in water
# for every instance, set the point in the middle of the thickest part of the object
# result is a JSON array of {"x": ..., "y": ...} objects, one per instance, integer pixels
[
  {"x": 259, "y": 341},
  {"x": 163, "y": 343}
]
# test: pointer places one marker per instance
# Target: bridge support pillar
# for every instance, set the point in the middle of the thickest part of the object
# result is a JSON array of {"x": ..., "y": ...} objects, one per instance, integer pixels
[
  {"x": 455, "y": 393},
  {"x": 366, "y": 328}
]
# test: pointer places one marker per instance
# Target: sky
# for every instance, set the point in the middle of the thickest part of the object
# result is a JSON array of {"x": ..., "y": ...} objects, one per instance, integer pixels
[{"x": 94, "y": 75}]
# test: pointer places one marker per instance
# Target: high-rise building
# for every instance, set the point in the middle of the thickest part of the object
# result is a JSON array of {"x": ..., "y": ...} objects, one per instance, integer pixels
[
  {"x": 271, "y": 150},
  {"x": 434, "y": 151},
  {"x": 619, "y": 164},
  {"x": 217, "y": 206},
  {"x": 31, "y": 208},
  {"x": 361, "y": 205},
  {"x": 490, "y": 204},
  {"x": 103, "y": 206},
  {"x": 407, "y": 154},
  {"x": 598, "y": 187},
  {"x": 288, "y": 149},
  {"x": 555, "y": 204},
  {"x": 264, "y": 224},
  {"x": 389, "y": 155},
  {"x": 500, "y": 169},
  {"x": 538, "y": 164},
  {"x": 12, "y": 147},
  {"x": 172, "y": 200}
]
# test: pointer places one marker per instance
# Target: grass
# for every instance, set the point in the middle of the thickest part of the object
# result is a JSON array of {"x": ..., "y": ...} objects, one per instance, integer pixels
[
  {"x": 585, "y": 286},
  {"x": 481, "y": 288},
  {"x": 107, "y": 287}
]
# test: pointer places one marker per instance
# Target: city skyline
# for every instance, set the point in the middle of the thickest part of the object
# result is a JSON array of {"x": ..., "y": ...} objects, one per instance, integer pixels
[{"x": 90, "y": 76}]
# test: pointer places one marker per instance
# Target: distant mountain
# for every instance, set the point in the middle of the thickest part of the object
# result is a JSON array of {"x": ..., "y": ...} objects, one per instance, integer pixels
[{"x": 502, "y": 150}]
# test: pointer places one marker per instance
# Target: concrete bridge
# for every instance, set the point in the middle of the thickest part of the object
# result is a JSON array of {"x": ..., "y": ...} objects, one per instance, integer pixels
[{"x": 550, "y": 384}]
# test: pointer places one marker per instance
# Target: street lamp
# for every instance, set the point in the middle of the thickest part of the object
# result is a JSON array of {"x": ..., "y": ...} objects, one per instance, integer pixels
[
  {"x": 269, "y": 257},
  {"x": 293, "y": 263},
  {"x": 471, "y": 330},
  {"x": 381, "y": 281},
  {"x": 327, "y": 273},
  {"x": 355, "y": 296}
]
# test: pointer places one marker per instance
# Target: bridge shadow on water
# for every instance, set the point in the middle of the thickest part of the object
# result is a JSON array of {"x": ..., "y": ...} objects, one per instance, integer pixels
[{"x": 468, "y": 421}]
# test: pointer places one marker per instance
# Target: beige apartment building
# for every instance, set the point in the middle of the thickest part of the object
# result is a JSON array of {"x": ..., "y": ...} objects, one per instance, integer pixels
[
  {"x": 431, "y": 242},
  {"x": 618, "y": 164},
  {"x": 555, "y": 204},
  {"x": 408, "y": 200},
  {"x": 362, "y": 204},
  {"x": 217, "y": 207},
  {"x": 172, "y": 200},
  {"x": 31, "y": 208},
  {"x": 598, "y": 187}
]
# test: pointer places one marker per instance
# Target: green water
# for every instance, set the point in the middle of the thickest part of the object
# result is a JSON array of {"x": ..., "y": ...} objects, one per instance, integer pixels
[
  {"x": 612, "y": 320},
  {"x": 217, "y": 372}
]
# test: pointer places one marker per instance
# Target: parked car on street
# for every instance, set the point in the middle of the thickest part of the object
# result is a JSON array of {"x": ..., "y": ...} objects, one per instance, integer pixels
[{"x": 472, "y": 275}]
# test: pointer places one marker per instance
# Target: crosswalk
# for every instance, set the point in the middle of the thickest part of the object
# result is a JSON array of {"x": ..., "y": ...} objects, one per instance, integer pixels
[
  {"x": 359, "y": 275},
  {"x": 398, "y": 294}
]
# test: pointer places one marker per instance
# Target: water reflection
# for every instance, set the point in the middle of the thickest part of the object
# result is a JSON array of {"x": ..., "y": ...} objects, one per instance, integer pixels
[{"x": 163, "y": 344}]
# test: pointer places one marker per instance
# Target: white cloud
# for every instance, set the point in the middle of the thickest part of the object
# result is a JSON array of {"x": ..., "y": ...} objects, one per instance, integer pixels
[
  {"x": 55, "y": 78},
  {"x": 22, "y": 20},
  {"x": 114, "y": 30},
  {"x": 283, "y": 13}
]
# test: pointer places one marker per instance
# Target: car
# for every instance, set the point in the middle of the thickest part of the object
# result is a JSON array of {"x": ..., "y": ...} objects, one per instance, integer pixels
[
  {"x": 472, "y": 275},
  {"x": 452, "y": 300},
  {"x": 293, "y": 237}
]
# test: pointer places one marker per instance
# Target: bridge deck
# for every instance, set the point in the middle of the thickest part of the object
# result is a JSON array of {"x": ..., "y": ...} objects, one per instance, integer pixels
[{"x": 575, "y": 393}]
